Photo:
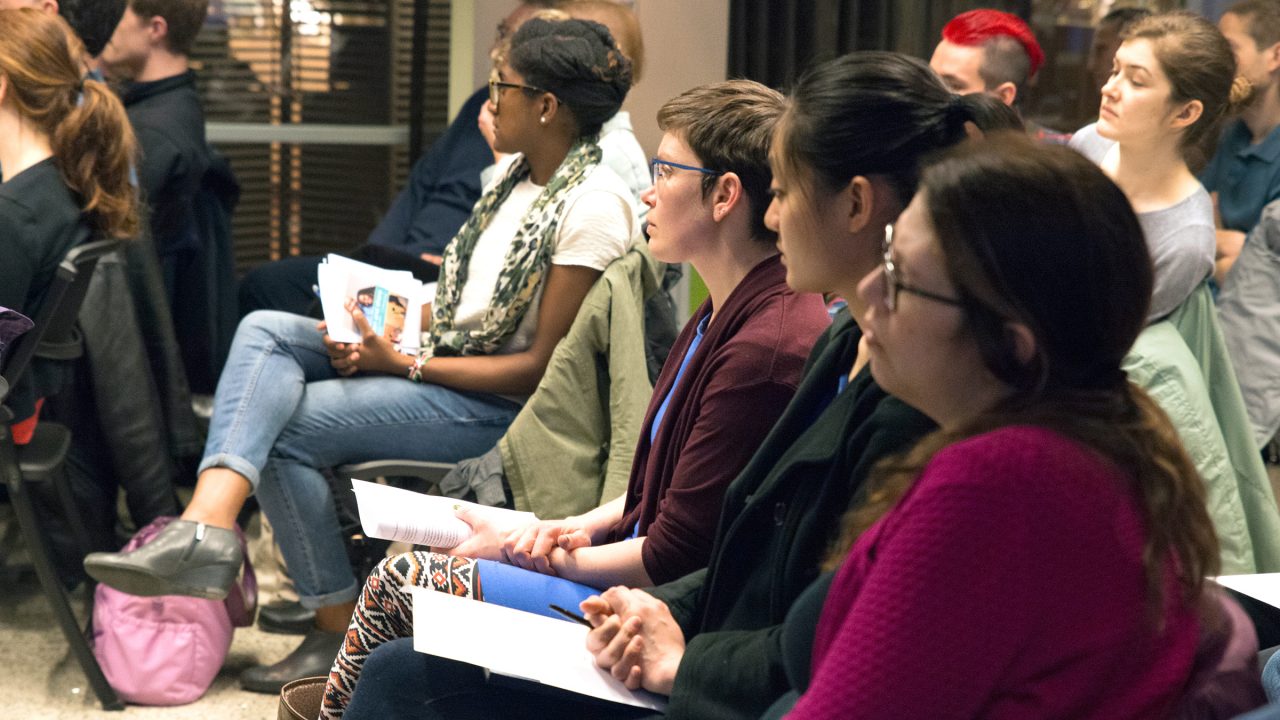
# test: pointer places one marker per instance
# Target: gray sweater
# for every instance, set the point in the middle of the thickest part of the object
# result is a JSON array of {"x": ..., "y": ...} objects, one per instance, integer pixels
[{"x": 1181, "y": 237}]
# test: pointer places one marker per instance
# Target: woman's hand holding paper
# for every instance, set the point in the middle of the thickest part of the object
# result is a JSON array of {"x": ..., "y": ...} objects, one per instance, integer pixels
[
  {"x": 374, "y": 353},
  {"x": 486, "y": 541}
]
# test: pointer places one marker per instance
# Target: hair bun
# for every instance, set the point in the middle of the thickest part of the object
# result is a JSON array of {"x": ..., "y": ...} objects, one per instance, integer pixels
[{"x": 1241, "y": 90}]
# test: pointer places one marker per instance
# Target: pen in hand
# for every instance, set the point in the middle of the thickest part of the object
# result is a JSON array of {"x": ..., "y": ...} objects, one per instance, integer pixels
[{"x": 572, "y": 616}]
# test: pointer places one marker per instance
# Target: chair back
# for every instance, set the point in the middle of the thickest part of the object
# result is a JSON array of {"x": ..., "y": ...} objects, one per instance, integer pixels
[{"x": 55, "y": 335}]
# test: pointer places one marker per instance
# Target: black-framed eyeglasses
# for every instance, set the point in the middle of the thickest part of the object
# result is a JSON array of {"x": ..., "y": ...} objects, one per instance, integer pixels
[
  {"x": 497, "y": 86},
  {"x": 661, "y": 169},
  {"x": 894, "y": 284}
]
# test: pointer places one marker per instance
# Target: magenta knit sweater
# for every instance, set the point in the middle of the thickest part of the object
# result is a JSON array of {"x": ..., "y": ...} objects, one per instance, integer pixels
[{"x": 1007, "y": 583}]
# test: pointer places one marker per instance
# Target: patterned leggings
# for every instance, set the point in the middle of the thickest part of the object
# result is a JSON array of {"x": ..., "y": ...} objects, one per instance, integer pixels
[{"x": 384, "y": 613}]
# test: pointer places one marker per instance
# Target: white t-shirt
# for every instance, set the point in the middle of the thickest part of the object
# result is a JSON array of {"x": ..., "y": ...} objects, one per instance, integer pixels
[{"x": 598, "y": 226}]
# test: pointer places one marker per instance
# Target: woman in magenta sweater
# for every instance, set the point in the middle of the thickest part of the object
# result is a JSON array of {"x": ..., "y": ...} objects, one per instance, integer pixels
[{"x": 1043, "y": 554}]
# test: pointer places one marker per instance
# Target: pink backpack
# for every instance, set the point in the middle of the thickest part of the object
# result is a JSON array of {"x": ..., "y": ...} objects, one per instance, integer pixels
[{"x": 166, "y": 650}]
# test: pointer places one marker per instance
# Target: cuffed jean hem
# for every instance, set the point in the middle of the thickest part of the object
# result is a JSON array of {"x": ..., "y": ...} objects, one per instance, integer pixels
[
  {"x": 346, "y": 595},
  {"x": 235, "y": 464}
]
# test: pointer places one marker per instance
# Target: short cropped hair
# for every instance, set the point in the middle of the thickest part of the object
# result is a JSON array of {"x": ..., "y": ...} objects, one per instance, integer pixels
[
  {"x": 729, "y": 126},
  {"x": 1011, "y": 53},
  {"x": 184, "y": 18},
  {"x": 1262, "y": 18}
]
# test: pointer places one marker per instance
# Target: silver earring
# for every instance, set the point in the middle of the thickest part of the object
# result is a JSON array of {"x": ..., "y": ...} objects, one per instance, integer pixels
[{"x": 543, "y": 119}]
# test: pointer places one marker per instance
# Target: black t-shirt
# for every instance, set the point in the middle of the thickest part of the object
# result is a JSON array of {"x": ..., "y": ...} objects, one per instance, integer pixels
[{"x": 40, "y": 220}]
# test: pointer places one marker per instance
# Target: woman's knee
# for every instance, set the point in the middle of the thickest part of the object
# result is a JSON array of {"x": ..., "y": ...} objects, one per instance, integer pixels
[{"x": 273, "y": 324}]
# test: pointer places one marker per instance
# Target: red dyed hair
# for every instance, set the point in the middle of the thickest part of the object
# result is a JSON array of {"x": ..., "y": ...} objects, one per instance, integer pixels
[{"x": 976, "y": 27}]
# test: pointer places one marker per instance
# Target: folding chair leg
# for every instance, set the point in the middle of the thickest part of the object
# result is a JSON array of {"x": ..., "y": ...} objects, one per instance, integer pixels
[
  {"x": 71, "y": 510},
  {"x": 48, "y": 576}
]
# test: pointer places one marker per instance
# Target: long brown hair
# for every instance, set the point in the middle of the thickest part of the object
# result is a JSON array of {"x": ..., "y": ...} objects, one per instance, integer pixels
[
  {"x": 93, "y": 143},
  {"x": 1068, "y": 261}
]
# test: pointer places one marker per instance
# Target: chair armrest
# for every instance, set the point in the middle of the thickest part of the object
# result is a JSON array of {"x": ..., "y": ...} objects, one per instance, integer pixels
[{"x": 432, "y": 472}]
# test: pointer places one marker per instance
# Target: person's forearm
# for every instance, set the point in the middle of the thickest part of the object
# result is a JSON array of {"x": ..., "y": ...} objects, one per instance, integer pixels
[
  {"x": 1230, "y": 242},
  {"x": 604, "y": 566},
  {"x": 514, "y": 374},
  {"x": 599, "y": 521}
]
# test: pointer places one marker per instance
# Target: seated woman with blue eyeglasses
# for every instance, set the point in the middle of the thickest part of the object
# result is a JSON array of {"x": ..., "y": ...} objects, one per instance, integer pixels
[{"x": 730, "y": 374}]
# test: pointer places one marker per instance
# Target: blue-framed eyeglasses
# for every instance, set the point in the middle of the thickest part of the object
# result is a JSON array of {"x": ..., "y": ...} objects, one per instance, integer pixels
[
  {"x": 661, "y": 169},
  {"x": 894, "y": 284}
]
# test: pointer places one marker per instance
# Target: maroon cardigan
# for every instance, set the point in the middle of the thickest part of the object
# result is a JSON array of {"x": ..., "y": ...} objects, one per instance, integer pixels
[{"x": 735, "y": 387}]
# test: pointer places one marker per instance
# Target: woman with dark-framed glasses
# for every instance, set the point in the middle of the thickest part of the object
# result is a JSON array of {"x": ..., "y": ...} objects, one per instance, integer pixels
[{"x": 291, "y": 401}]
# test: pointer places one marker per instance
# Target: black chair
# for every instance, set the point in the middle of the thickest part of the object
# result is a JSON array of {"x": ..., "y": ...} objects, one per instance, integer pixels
[{"x": 56, "y": 337}]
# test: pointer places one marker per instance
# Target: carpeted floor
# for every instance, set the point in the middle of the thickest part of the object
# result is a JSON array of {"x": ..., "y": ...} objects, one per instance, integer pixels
[{"x": 41, "y": 680}]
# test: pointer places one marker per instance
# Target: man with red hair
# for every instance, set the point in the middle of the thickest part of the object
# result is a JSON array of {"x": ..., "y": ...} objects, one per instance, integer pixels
[{"x": 991, "y": 52}]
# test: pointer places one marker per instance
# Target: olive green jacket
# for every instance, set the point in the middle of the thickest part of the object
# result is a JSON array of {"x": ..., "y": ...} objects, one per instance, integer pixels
[{"x": 570, "y": 448}]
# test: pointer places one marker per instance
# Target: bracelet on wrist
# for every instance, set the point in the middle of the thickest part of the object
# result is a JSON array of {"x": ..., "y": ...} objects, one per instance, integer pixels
[{"x": 420, "y": 362}]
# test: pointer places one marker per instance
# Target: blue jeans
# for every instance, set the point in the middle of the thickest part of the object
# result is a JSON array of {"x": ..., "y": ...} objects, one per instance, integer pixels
[{"x": 281, "y": 412}]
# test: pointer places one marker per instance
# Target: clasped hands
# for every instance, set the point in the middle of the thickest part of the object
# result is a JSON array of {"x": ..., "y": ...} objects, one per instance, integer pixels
[
  {"x": 542, "y": 546},
  {"x": 635, "y": 638}
]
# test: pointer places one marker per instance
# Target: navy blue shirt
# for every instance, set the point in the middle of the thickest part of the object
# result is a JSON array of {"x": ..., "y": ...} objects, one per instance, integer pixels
[
  {"x": 442, "y": 189},
  {"x": 1245, "y": 175}
]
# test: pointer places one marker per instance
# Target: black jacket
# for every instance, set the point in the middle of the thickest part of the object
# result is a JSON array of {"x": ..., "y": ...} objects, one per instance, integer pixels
[
  {"x": 167, "y": 118},
  {"x": 779, "y": 518}
]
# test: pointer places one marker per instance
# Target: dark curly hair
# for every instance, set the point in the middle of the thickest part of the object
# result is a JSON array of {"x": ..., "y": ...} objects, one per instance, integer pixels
[{"x": 578, "y": 62}]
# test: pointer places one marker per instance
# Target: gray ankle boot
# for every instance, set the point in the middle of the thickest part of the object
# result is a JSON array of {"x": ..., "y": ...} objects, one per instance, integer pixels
[{"x": 186, "y": 558}]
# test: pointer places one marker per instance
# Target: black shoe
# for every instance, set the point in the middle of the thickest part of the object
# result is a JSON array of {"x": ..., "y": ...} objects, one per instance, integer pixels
[
  {"x": 313, "y": 657},
  {"x": 286, "y": 618},
  {"x": 186, "y": 558}
]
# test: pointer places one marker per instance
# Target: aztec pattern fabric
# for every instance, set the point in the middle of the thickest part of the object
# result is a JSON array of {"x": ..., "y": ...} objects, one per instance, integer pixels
[
  {"x": 384, "y": 613},
  {"x": 526, "y": 262}
]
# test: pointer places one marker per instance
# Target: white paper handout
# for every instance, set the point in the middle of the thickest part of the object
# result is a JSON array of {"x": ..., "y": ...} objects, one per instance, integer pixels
[
  {"x": 516, "y": 644},
  {"x": 1262, "y": 586},
  {"x": 391, "y": 513},
  {"x": 391, "y": 300}
]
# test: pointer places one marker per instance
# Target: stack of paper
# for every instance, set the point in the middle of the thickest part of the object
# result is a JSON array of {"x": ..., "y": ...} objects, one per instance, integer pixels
[
  {"x": 516, "y": 644},
  {"x": 401, "y": 515},
  {"x": 391, "y": 300}
]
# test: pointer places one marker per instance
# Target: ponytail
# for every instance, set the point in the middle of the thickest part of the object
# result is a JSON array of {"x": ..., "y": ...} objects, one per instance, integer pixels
[
  {"x": 986, "y": 112},
  {"x": 872, "y": 113},
  {"x": 92, "y": 142},
  {"x": 94, "y": 148}
]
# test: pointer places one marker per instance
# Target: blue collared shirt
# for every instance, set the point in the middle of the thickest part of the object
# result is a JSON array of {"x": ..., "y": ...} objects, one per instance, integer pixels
[{"x": 1245, "y": 175}]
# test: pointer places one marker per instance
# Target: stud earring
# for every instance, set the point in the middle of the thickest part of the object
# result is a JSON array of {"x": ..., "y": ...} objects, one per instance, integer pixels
[{"x": 543, "y": 119}]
